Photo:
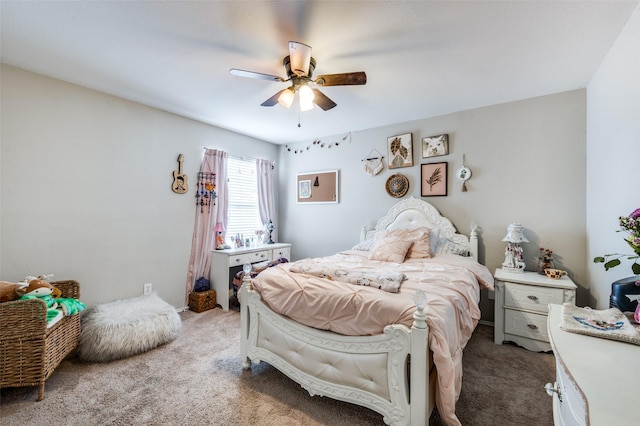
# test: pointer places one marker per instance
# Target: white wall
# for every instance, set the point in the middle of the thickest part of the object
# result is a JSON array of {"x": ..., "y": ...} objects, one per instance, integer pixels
[
  {"x": 86, "y": 187},
  {"x": 613, "y": 155},
  {"x": 528, "y": 164}
]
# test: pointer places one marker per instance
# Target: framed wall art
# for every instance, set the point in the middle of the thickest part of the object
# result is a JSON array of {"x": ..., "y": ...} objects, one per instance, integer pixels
[
  {"x": 400, "y": 151},
  {"x": 434, "y": 146},
  {"x": 317, "y": 187},
  {"x": 433, "y": 179}
]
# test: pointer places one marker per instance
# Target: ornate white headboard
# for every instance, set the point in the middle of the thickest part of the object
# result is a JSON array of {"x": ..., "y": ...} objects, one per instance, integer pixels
[{"x": 413, "y": 213}]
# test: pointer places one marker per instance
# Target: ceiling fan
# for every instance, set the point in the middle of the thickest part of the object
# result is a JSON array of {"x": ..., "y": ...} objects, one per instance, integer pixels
[{"x": 299, "y": 66}]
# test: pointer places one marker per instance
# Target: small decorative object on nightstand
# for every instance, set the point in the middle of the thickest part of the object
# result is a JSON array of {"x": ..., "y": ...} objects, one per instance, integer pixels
[
  {"x": 545, "y": 260},
  {"x": 270, "y": 226},
  {"x": 521, "y": 307},
  {"x": 513, "y": 261},
  {"x": 220, "y": 245}
]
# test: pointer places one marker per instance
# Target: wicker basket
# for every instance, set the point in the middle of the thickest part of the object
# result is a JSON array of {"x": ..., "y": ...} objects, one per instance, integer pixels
[
  {"x": 200, "y": 301},
  {"x": 29, "y": 351}
]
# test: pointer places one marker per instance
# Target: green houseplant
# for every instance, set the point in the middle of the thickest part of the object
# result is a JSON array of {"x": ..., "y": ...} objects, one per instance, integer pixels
[{"x": 631, "y": 226}]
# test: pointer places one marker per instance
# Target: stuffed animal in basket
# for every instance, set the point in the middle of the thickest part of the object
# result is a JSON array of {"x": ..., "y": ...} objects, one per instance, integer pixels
[
  {"x": 41, "y": 289},
  {"x": 8, "y": 291},
  {"x": 56, "y": 306}
]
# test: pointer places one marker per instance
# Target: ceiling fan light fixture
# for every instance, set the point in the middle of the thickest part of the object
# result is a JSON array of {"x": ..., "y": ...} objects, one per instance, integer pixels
[
  {"x": 306, "y": 105},
  {"x": 306, "y": 93},
  {"x": 286, "y": 97},
  {"x": 300, "y": 55}
]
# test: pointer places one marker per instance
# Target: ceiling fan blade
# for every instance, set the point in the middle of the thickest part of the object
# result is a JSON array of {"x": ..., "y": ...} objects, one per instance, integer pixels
[
  {"x": 322, "y": 100},
  {"x": 251, "y": 74},
  {"x": 300, "y": 55},
  {"x": 272, "y": 100},
  {"x": 345, "y": 79}
]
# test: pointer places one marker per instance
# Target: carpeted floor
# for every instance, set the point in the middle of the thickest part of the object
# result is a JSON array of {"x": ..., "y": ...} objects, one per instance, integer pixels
[{"x": 198, "y": 380}]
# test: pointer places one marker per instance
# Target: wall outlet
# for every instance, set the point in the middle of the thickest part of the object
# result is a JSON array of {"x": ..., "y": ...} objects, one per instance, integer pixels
[{"x": 147, "y": 288}]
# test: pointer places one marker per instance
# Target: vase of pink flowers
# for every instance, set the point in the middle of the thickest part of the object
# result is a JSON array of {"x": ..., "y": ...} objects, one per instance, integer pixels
[{"x": 630, "y": 225}]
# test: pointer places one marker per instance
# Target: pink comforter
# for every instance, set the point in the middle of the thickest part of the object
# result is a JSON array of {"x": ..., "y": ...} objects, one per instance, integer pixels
[{"x": 452, "y": 284}]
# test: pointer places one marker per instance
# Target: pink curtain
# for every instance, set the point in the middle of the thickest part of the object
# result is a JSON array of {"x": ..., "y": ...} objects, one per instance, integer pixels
[
  {"x": 265, "y": 171},
  {"x": 212, "y": 206}
]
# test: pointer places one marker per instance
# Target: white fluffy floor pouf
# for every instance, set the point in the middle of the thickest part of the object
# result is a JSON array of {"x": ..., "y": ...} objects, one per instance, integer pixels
[{"x": 119, "y": 329}]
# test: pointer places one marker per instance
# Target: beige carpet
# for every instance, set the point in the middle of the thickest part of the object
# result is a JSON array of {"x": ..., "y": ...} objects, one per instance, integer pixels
[{"x": 198, "y": 380}]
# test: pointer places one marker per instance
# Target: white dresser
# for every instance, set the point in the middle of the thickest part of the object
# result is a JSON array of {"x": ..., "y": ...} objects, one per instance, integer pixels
[
  {"x": 596, "y": 379},
  {"x": 222, "y": 262},
  {"x": 521, "y": 305}
]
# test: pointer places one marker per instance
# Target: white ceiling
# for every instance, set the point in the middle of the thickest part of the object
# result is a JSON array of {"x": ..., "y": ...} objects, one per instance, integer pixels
[{"x": 422, "y": 58}]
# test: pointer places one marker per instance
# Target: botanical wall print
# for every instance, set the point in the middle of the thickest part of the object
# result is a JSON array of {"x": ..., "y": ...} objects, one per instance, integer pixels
[
  {"x": 434, "y": 146},
  {"x": 434, "y": 179},
  {"x": 400, "y": 151}
]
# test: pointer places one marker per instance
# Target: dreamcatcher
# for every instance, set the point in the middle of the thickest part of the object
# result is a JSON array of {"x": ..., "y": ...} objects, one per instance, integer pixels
[
  {"x": 373, "y": 163},
  {"x": 464, "y": 174},
  {"x": 206, "y": 190}
]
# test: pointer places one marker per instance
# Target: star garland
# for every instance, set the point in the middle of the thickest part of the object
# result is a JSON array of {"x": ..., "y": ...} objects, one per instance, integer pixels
[{"x": 318, "y": 143}]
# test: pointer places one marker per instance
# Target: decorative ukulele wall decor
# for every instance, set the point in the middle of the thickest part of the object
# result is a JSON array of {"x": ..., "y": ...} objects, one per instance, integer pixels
[{"x": 179, "y": 179}]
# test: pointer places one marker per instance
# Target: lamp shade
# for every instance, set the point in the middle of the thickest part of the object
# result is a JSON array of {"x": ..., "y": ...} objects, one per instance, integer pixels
[
  {"x": 515, "y": 234},
  {"x": 286, "y": 97},
  {"x": 306, "y": 93}
]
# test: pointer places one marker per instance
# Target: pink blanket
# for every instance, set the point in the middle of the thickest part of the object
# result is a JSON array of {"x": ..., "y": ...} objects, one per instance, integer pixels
[{"x": 452, "y": 284}]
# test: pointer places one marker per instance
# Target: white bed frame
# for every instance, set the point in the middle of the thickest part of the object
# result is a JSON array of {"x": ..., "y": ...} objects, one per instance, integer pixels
[{"x": 324, "y": 363}]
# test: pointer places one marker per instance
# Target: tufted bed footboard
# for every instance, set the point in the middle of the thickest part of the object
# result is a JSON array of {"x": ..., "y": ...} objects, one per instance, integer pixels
[{"x": 389, "y": 373}]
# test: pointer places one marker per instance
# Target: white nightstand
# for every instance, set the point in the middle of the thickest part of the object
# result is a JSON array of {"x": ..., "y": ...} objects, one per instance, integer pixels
[
  {"x": 222, "y": 262},
  {"x": 521, "y": 307}
]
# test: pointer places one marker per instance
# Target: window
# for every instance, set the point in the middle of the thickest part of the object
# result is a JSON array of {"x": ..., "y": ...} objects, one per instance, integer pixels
[{"x": 244, "y": 215}]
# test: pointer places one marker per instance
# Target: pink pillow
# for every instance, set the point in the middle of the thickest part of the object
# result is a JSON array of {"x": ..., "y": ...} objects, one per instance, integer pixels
[
  {"x": 419, "y": 237},
  {"x": 390, "y": 249}
]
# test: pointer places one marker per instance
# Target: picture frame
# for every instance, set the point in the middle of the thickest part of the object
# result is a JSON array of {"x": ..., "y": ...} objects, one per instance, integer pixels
[
  {"x": 434, "y": 146},
  {"x": 400, "y": 148},
  {"x": 317, "y": 187},
  {"x": 433, "y": 179}
]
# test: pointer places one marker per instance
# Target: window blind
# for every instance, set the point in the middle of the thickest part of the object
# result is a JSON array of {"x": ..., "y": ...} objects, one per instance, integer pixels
[{"x": 244, "y": 216}]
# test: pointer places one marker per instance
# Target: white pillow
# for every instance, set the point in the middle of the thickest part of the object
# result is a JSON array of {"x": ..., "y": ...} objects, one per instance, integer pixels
[
  {"x": 449, "y": 247},
  {"x": 365, "y": 245},
  {"x": 434, "y": 239}
]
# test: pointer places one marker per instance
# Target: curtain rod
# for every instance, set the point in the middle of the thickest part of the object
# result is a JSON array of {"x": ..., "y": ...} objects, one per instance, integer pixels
[{"x": 241, "y": 157}]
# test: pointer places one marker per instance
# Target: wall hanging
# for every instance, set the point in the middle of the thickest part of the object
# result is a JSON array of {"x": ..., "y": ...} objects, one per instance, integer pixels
[
  {"x": 464, "y": 174},
  {"x": 433, "y": 179},
  {"x": 434, "y": 146},
  {"x": 397, "y": 185},
  {"x": 373, "y": 163},
  {"x": 317, "y": 187},
  {"x": 400, "y": 151},
  {"x": 318, "y": 143},
  {"x": 179, "y": 185},
  {"x": 206, "y": 190}
]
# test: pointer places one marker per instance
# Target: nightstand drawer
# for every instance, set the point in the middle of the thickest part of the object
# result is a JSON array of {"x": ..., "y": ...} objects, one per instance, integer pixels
[
  {"x": 253, "y": 257},
  {"x": 526, "y": 324},
  {"x": 281, "y": 252},
  {"x": 531, "y": 297}
]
